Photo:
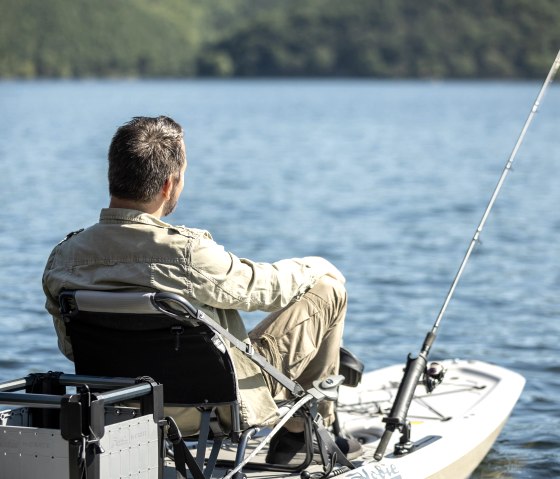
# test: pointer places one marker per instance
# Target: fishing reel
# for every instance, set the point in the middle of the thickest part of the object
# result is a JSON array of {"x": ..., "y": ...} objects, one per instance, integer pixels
[{"x": 433, "y": 376}]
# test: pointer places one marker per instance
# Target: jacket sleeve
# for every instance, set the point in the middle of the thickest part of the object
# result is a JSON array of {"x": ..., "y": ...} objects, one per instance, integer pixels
[
  {"x": 53, "y": 308},
  {"x": 222, "y": 280}
]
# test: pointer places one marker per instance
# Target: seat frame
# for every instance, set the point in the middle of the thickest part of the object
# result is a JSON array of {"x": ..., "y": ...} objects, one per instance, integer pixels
[{"x": 137, "y": 321}]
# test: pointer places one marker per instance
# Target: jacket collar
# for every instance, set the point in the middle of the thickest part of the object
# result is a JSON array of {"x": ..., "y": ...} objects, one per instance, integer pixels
[{"x": 122, "y": 215}]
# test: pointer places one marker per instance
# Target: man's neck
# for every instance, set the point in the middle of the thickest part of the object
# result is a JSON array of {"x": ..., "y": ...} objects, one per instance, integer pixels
[{"x": 153, "y": 208}]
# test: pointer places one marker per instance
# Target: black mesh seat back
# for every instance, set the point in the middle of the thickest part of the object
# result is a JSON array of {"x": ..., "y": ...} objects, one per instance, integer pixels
[{"x": 181, "y": 357}]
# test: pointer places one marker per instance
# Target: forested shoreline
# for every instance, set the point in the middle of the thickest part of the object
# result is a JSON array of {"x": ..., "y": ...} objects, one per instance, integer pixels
[{"x": 278, "y": 38}]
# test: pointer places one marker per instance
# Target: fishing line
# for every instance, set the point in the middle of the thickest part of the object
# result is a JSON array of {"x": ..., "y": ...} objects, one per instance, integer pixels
[
  {"x": 416, "y": 367},
  {"x": 506, "y": 170}
]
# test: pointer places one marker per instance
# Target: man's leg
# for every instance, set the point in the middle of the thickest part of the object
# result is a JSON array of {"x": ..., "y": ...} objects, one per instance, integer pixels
[{"x": 303, "y": 340}]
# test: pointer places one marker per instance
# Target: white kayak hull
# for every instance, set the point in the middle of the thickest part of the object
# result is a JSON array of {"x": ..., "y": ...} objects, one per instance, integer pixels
[{"x": 453, "y": 428}]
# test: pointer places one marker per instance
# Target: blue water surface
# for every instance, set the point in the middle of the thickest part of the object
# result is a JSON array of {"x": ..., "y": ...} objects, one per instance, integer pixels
[{"x": 387, "y": 179}]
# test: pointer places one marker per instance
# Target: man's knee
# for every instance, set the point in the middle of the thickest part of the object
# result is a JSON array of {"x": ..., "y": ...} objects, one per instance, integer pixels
[
  {"x": 332, "y": 292},
  {"x": 331, "y": 286}
]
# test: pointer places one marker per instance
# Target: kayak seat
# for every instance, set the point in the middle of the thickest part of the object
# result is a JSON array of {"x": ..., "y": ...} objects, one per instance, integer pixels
[{"x": 161, "y": 335}]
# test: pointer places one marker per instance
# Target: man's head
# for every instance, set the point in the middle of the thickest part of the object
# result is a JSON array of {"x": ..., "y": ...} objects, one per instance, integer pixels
[{"x": 144, "y": 154}]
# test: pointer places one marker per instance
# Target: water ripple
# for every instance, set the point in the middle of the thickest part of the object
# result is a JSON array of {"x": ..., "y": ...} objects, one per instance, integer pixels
[{"x": 389, "y": 193}]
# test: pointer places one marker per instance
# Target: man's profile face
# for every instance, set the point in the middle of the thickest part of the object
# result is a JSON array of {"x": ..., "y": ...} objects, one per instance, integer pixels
[{"x": 178, "y": 185}]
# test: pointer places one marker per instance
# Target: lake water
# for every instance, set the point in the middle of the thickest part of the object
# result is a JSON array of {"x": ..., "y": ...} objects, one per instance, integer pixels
[{"x": 386, "y": 179}]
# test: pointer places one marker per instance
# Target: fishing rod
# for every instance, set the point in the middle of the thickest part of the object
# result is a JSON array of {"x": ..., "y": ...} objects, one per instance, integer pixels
[{"x": 417, "y": 367}]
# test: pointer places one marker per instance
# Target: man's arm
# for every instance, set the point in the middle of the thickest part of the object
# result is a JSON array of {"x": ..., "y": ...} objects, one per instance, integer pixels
[
  {"x": 53, "y": 308},
  {"x": 223, "y": 280}
]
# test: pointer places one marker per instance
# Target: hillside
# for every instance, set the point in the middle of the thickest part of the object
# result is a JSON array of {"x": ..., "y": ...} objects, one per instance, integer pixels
[{"x": 288, "y": 38}]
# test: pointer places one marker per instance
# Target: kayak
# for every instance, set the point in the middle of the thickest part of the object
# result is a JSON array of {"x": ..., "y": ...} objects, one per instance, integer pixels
[{"x": 453, "y": 428}]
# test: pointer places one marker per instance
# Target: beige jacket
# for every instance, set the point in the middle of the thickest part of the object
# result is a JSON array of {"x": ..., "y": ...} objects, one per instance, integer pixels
[{"x": 131, "y": 250}]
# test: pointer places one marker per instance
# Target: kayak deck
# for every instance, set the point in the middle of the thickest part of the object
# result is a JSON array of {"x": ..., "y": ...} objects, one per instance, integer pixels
[{"x": 452, "y": 428}]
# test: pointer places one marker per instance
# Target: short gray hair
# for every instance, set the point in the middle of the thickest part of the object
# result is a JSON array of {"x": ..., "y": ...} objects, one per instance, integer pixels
[{"x": 144, "y": 152}]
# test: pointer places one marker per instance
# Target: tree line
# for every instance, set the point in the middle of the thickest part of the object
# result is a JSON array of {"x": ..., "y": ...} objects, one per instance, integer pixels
[{"x": 278, "y": 38}]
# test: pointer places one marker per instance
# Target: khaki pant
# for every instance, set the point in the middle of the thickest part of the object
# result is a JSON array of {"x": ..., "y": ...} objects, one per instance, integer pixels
[{"x": 303, "y": 340}]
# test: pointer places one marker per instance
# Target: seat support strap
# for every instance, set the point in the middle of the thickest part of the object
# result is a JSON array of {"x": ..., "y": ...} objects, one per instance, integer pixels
[{"x": 181, "y": 453}]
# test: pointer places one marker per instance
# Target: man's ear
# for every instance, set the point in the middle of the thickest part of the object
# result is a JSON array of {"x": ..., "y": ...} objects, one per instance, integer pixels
[{"x": 167, "y": 188}]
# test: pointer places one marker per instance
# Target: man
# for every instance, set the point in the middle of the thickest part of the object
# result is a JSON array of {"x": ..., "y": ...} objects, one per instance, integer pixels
[{"x": 131, "y": 248}]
